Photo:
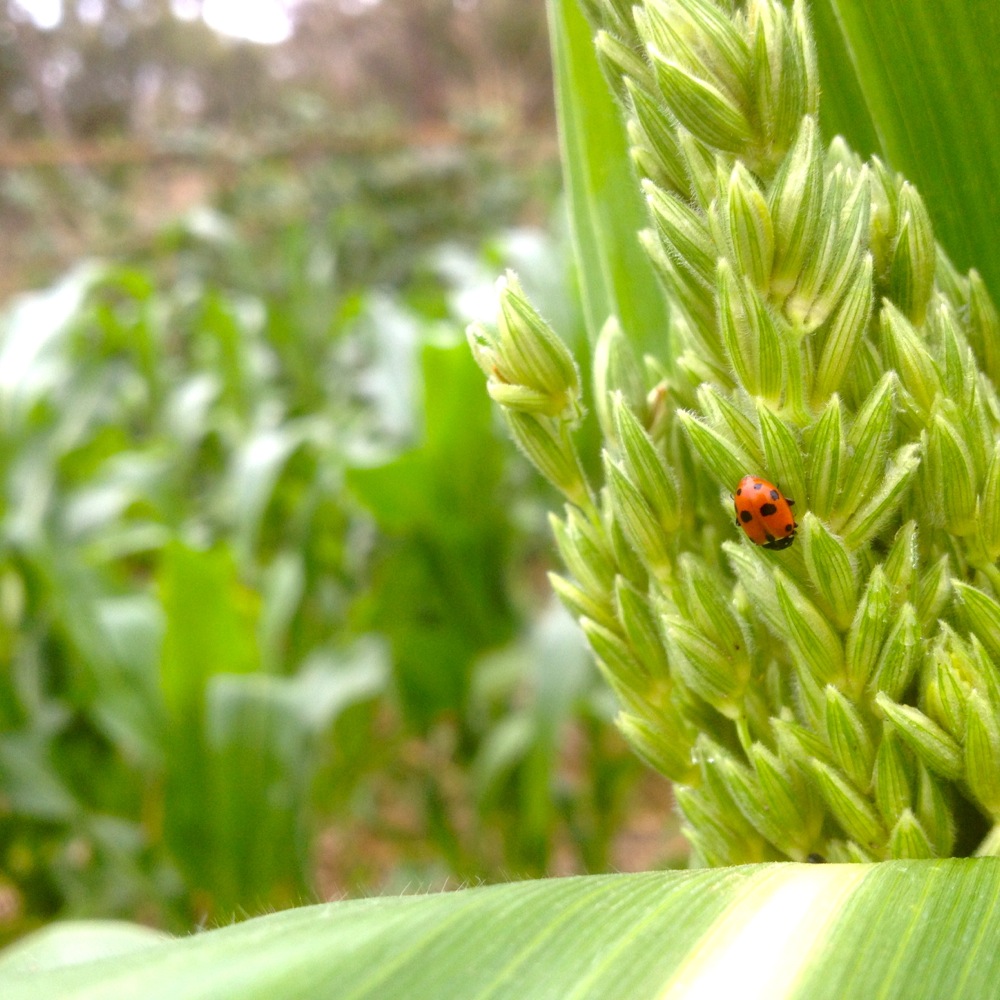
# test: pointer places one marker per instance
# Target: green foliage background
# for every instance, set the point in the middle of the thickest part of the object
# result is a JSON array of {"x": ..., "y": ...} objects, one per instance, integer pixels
[{"x": 272, "y": 603}]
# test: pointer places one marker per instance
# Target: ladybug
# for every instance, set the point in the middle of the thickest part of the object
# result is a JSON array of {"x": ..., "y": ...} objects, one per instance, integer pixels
[{"x": 764, "y": 514}]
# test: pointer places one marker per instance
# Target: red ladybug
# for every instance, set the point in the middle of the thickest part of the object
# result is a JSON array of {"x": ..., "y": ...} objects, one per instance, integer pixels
[{"x": 764, "y": 514}]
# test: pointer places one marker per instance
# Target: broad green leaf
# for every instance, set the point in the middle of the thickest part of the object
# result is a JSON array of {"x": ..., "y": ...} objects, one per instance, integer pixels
[
  {"x": 898, "y": 931},
  {"x": 915, "y": 82},
  {"x": 606, "y": 211}
]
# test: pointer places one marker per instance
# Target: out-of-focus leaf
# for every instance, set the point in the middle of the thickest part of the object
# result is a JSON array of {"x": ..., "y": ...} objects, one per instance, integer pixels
[
  {"x": 30, "y": 786},
  {"x": 261, "y": 741},
  {"x": 31, "y": 363},
  {"x": 211, "y": 620},
  {"x": 915, "y": 81},
  {"x": 438, "y": 592},
  {"x": 606, "y": 212},
  {"x": 257, "y": 467}
]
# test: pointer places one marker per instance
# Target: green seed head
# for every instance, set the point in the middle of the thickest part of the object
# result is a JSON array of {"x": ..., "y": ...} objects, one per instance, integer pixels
[{"x": 838, "y": 692}]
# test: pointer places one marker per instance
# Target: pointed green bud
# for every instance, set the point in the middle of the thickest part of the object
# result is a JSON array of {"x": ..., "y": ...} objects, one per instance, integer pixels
[
  {"x": 702, "y": 163},
  {"x": 644, "y": 467},
  {"x": 690, "y": 295},
  {"x": 707, "y": 41},
  {"x": 885, "y": 200},
  {"x": 914, "y": 260},
  {"x": 906, "y": 353},
  {"x": 799, "y": 746},
  {"x": 660, "y": 135},
  {"x": 724, "y": 460},
  {"x": 811, "y": 702},
  {"x": 581, "y": 604},
  {"x": 850, "y": 245},
  {"x": 982, "y": 754},
  {"x": 839, "y": 254},
  {"x": 751, "y": 340},
  {"x": 782, "y": 453},
  {"x": 796, "y": 202},
  {"x": 934, "y": 591},
  {"x": 880, "y": 508},
  {"x": 713, "y": 791},
  {"x": 639, "y": 521},
  {"x": 551, "y": 452},
  {"x": 831, "y": 570},
  {"x": 732, "y": 421},
  {"x": 945, "y": 691},
  {"x": 950, "y": 283},
  {"x": 900, "y": 655},
  {"x": 854, "y": 813},
  {"x": 984, "y": 327},
  {"x": 908, "y": 839},
  {"x": 789, "y": 800},
  {"x": 848, "y": 738},
  {"x": 664, "y": 751},
  {"x": 935, "y": 814},
  {"x": 895, "y": 777},
  {"x": 586, "y": 552},
  {"x": 814, "y": 644},
  {"x": 526, "y": 352},
  {"x": 742, "y": 785},
  {"x": 617, "y": 655},
  {"x": 757, "y": 582},
  {"x": 868, "y": 631},
  {"x": 853, "y": 853},
  {"x": 641, "y": 629},
  {"x": 620, "y": 61},
  {"x": 826, "y": 456},
  {"x": 714, "y": 836},
  {"x": 709, "y": 114},
  {"x": 717, "y": 676},
  {"x": 646, "y": 163},
  {"x": 989, "y": 507},
  {"x": 844, "y": 333},
  {"x": 780, "y": 76},
  {"x": 924, "y": 737},
  {"x": 869, "y": 440},
  {"x": 709, "y": 605},
  {"x": 949, "y": 475},
  {"x": 617, "y": 369},
  {"x": 684, "y": 231},
  {"x": 618, "y": 15},
  {"x": 983, "y": 673},
  {"x": 960, "y": 370},
  {"x": 806, "y": 47},
  {"x": 521, "y": 397},
  {"x": 751, "y": 232},
  {"x": 982, "y": 614},
  {"x": 901, "y": 562},
  {"x": 629, "y": 564}
]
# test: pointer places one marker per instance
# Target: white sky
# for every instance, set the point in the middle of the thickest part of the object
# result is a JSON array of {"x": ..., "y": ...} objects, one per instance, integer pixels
[{"x": 263, "y": 21}]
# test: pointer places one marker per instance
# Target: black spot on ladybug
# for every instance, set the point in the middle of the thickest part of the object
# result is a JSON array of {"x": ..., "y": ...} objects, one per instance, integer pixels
[
  {"x": 758, "y": 486},
  {"x": 775, "y": 494},
  {"x": 767, "y": 509},
  {"x": 789, "y": 527},
  {"x": 776, "y": 544},
  {"x": 745, "y": 516}
]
